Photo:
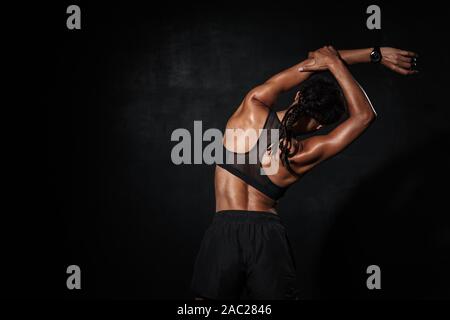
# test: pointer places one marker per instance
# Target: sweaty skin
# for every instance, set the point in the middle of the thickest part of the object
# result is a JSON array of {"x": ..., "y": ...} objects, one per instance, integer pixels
[{"x": 232, "y": 193}]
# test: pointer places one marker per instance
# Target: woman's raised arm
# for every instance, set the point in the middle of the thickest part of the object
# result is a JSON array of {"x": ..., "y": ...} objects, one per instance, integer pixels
[
  {"x": 268, "y": 92},
  {"x": 361, "y": 113},
  {"x": 398, "y": 60}
]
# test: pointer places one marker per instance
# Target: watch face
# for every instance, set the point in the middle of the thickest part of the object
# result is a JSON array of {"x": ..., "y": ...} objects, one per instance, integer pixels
[{"x": 375, "y": 56}]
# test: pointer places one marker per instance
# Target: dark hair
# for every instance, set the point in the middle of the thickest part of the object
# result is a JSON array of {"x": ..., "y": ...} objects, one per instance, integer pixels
[{"x": 321, "y": 98}]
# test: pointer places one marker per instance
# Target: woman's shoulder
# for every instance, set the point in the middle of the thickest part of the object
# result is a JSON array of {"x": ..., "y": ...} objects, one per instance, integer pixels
[{"x": 248, "y": 117}]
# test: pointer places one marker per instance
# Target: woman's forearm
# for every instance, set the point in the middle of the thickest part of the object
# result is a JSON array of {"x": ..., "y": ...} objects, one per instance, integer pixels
[
  {"x": 290, "y": 77},
  {"x": 356, "y": 55}
]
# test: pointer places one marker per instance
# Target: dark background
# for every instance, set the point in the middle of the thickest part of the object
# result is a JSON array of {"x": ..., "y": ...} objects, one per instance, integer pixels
[{"x": 116, "y": 206}]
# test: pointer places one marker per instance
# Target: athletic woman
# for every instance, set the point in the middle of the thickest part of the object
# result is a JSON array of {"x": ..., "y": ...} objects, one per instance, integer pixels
[{"x": 245, "y": 251}]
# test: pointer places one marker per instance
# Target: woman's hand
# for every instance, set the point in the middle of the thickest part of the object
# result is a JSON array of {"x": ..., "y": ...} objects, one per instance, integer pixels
[
  {"x": 400, "y": 61},
  {"x": 321, "y": 59}
]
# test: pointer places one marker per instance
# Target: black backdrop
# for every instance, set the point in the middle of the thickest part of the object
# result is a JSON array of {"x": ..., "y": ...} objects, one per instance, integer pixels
[{"x": 116, "y": 89}]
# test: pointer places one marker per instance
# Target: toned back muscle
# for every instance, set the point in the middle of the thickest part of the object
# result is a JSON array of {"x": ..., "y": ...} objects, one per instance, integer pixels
[{"x": 231, "y": 192}]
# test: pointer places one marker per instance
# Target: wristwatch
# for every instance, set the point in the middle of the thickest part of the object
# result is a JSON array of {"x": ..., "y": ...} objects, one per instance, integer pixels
[{"x": 375, "y": 55}]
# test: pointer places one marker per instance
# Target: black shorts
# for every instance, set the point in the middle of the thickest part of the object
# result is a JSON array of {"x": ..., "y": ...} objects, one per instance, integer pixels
[{"x": 245, "y": 254}]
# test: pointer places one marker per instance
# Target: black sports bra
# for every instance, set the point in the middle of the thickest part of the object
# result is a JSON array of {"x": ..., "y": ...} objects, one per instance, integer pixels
[{"x": 250, "y": 173}]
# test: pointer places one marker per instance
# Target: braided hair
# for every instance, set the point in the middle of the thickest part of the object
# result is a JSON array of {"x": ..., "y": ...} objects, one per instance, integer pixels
[{"x": 321, "y": 98}]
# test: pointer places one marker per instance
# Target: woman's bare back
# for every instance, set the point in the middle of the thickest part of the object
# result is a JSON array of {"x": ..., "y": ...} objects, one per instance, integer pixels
[{"x": 231, "y": 192}]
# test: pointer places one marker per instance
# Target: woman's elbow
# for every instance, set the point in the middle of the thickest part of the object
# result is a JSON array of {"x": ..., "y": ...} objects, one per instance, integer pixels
[{"x": 367, "y": 118}]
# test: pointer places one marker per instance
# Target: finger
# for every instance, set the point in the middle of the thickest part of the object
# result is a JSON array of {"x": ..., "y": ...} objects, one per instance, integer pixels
[
  {"x": 414, "y": 63},
  {"x": 309, "y": 62},
  {"x": 307, "y": 65},
  {"x": 408, "y": 53},
  {"x": 403, "y": 71},
  {"x": 405, "y": 59},
  {"x": 399, "y": 70},
  {"x": 405, "y": 65},
  {"x": 308, "y": 68},
  {"x": 312, "y": 66},
  {"x": 408, "y": 72}
]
